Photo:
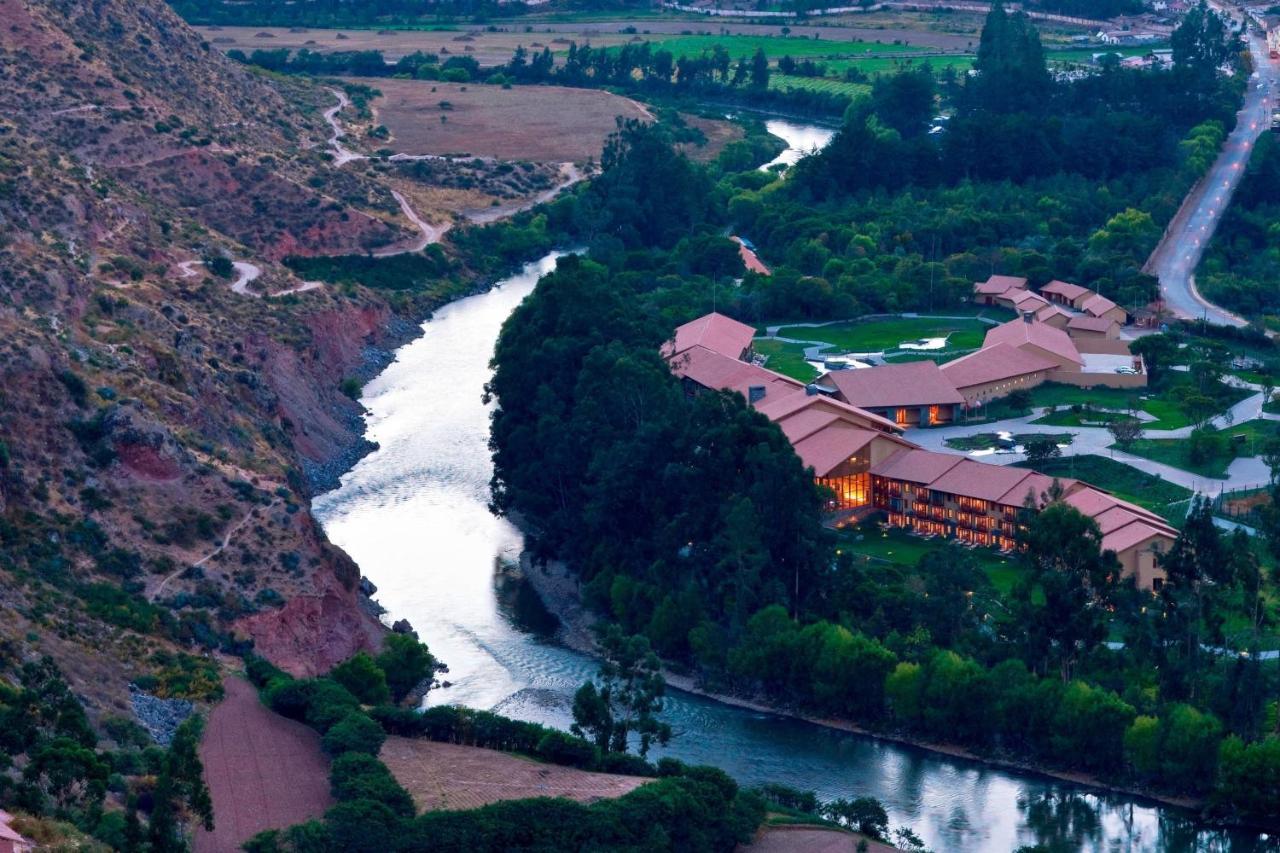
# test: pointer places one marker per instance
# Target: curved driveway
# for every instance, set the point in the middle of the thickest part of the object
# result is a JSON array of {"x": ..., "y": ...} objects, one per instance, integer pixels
[{"x": 1174, "y": 261}]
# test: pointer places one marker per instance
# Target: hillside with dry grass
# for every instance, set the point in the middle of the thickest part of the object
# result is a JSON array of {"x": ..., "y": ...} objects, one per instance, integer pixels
[{"x": 163, "y": 423}]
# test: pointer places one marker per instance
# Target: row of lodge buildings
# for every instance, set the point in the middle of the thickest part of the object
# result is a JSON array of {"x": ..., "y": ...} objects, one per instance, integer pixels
[{"x": 861, "y": 456}]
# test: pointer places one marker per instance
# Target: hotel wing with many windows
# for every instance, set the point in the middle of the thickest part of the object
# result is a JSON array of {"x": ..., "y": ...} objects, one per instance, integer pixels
[{"x": 861, "y": 457}]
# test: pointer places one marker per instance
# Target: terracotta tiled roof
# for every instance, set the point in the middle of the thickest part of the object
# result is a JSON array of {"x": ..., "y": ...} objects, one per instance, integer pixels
[
  {"x": 916, "y": 466},
  {"x": 1067, "y": 290},
  {"x": 826, "y": 449},
  {"x": 993, "y": 363},
  {"x": 1085, "y": 323},
  {"x": 998, "y": 284},
  {"x": 958, "y": 475},
  {"x": 782, "y": 407},
  {"x": 1097, "y": 305},
  {"x": 912, "y": 383},
  {"x": 1093, "y": 502},
  {"x": 1132, "y": 534},
  {"x": 750, "y": 260},
  {"x": 7, "y": 833},
  {"x": 1029, "y": 301},
  {"x": 716, "y": 332},
  {"x": 1019, "y": 333},
  {"x": 716, "y": 371},
  {"x": 1052, "y": 310}
]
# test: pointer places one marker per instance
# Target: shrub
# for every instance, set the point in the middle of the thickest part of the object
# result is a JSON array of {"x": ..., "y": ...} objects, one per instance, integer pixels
[
  {"x": 561, "y": 748},
  {"x": 363, "y": 678},
  {"x": 359, "y": 776},
  {"x": 356, "y": 732}
]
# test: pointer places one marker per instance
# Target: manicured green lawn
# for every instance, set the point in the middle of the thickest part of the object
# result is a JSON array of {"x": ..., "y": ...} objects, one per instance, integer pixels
[
  {"x": 1157, "y": 402},
  {"x": 1244, "y": 438},
  {"x": 787, "y": 359},
  {"x": 1174, "y": 452},
  {"x": 887, "y": 335},
  {"x": 898, "y": 546},
  {"x": 1123, "y": 481}
]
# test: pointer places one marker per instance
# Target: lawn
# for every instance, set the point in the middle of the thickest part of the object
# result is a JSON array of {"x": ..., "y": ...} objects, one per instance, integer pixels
[
  {"x": 888, "y": 334},
  {"x": 1084, "y": 56},
  {"x": 895, "y": 545},
  {"x": 1242, "y": 439},
  {"x": 785, "y": 358},
  {"x": 1156, "y": 401},
  {"x": 872, "y": 65},
  {"x": 1123, "y": 481}
]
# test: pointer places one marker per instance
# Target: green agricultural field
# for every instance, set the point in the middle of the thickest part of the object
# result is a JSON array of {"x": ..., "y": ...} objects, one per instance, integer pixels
[
  {"x": 873, "y": 65},
  {"x": 829, "y": 85},
  {"x": 1084, "y": 55},
  {"x": 887, "y": 335},
  {"x": 776, "y": 46},
  {"x": 787, "y": 359},
  {"x": 1123, "y": 481}
]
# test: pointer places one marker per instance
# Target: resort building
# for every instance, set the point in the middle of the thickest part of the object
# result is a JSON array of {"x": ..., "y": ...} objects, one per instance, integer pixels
[
  {"x": 846, "y": 429},
  {"x": 914, "y": 393},
  {"x": 1065, "y": 293}
]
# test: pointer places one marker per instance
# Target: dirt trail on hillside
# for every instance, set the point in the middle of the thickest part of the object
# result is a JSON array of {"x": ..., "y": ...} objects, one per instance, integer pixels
[{"x": 263, "y": 771}]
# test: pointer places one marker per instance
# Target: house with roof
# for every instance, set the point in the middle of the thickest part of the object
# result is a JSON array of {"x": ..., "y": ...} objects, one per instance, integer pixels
[
  {"x": 1054, "y": 315},
  {"x": 714, "y": 332},
  {"x": 1101, "y": 306},
  {"x": 996, "y": 371},
  {"x": 911, "y": 394},
  {"x": 1084, "y": 327},
  {"x": 1066, "y": 293},
  {"x": 998, "y": 290},
  {"x": 11, "y": 841},
  {"x": 846, "y": 429}
]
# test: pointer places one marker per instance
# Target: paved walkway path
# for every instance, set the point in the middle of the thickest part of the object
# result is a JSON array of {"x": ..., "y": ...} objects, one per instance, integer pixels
[{"x": 1243, "y": 473}]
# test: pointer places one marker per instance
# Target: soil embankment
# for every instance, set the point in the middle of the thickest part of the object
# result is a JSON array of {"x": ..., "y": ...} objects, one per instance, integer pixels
[{"x": 263, "y": 771}]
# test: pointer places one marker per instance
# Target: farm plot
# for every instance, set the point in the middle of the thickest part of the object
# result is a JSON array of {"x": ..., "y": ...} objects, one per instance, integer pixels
[
  {"x": 443, "y": 776},
  {"x": 537, "y": 123}
]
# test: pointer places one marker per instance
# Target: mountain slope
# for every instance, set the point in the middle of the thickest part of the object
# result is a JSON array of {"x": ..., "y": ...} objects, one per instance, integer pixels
[{"x": 155, "y": 417}]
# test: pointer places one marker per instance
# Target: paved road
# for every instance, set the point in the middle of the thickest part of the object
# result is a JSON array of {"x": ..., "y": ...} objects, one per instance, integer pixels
[{"x": 1174, "y": 261}]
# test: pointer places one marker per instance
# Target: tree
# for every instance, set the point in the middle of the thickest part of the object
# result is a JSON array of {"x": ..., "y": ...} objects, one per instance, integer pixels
[
  {"x": 1202, "y": 42},
  {"x": 1041, "y": 449},
  {"x": 356, "y": 732},
  {"x": 406, "y": 663},
  {"x": 1075, "y": 580},
  {"x": 863, "y": 814},
  {"x": 628, "y": 698},
  {"x": 1158, "y": 353},
  {"x": 364, "y": 678},
  {"x": 1125, "y": 431},
  {"x": 759, "y": 70}
]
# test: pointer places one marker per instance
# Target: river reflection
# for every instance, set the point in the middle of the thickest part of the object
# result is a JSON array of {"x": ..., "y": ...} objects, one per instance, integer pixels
[
  {"x": 414, "y": 516},
  {"x": 801, "y": 139}
]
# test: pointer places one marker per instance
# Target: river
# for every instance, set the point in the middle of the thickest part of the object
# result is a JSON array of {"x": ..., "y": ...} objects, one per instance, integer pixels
[{"x": 413, "y": 514}]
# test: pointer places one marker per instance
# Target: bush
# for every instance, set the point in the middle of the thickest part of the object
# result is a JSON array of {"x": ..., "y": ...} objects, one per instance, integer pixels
[
  {"x": 366, "y": 681},
  {"x": 359, "y": 776},
  {"x": 561, "y": 748},
  {"x": 405, "y": 662},
  {"x": 356, "y": 732}
]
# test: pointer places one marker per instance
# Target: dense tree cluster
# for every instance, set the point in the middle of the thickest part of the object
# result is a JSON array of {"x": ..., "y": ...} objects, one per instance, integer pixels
[
  {"x": 1242, "y": 269},
  {"x": 52, "y": 765},
  {"x": 685, "y": 809}
]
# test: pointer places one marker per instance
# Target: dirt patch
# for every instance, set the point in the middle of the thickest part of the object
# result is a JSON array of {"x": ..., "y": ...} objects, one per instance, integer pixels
[
  {"x": 263, "y": 771},
  {"x": 808, "y": 839},
  {"x": 539, "y": 123},
  {"x": 718, "y": 132},
  {"x": 444, "y": 776}
]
